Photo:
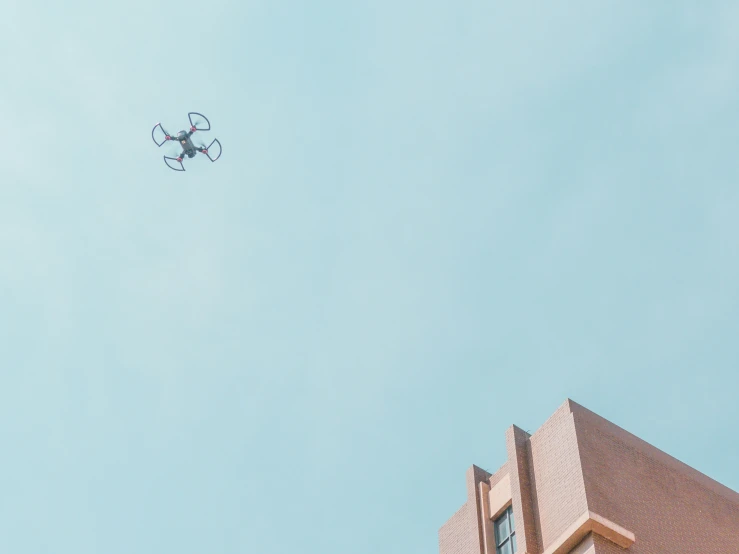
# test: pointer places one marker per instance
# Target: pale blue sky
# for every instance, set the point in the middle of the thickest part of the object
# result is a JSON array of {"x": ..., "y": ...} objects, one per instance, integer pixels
[{"x": 431, "y": 220}]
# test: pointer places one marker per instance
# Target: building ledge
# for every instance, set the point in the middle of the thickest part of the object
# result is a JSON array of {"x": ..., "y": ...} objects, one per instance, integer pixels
[{"x": 591, "y": 522}]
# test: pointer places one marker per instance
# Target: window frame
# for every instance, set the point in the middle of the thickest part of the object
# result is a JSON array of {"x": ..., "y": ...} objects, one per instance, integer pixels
[{"x": 510, "y": 537}]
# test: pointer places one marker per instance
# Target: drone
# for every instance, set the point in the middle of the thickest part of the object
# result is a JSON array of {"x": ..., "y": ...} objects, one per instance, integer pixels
[{"x": 189, "y": 149}]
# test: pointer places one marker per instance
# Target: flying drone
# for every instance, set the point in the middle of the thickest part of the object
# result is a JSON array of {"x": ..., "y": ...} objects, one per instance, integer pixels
[{"x": 189, "y": 149}]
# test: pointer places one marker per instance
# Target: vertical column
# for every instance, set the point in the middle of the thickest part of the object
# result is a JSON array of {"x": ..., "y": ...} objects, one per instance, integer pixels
[
  {"x": 523, "y": 506},
  {"x": 488, "y": 540},
  {"x": 475, "y": 477}
]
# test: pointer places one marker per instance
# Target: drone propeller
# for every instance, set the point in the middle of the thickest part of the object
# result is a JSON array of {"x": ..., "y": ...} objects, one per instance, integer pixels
[
  {"x": 204, "y": 147},
  {"x": 155, "y": 136},
  {"x": 198, "y": 122},
  {"x": 167, "y": 134}
]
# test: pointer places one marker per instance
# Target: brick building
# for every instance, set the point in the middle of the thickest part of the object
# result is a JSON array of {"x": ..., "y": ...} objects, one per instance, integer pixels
[{"x": 582, "y": 485}]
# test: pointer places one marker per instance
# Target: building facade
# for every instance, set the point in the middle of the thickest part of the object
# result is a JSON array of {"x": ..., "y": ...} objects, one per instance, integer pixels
[{"x": 582, "y": 485}]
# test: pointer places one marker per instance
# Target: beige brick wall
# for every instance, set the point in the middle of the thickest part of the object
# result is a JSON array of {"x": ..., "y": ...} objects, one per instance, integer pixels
[
  {"x": 578, "y": 465},
  {"x": 559, "y": 489},
  {"x": 462, "y": 534},
  {"x": 459, "y": 534},
  {"x": 669, "y": 506},
  {"x": 604, "y": 546},
  {"x": 587, "y": 546}
]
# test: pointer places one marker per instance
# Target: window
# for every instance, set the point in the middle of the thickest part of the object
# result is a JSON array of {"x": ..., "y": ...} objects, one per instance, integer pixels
[{"x": 505, "y": 533}]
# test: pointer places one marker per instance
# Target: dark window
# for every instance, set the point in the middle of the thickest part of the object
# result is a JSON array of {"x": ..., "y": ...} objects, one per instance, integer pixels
[{"x": 505, "y": 533}]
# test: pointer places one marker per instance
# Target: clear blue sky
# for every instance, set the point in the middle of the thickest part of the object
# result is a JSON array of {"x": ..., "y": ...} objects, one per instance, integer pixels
[{"x": 431, "y": 220}]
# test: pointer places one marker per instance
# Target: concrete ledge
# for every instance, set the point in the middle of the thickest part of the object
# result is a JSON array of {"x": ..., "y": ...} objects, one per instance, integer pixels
[
  {"x": 500, "y": 497},
  {"x": 591, "y": 522}
]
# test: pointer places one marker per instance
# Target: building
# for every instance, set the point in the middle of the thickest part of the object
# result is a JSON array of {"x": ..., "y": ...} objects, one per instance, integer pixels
[{"x": 582, "y": 485}]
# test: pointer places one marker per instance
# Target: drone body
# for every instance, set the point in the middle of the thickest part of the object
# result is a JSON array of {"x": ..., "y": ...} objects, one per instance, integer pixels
[{"x": 189, "y": 149}]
